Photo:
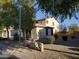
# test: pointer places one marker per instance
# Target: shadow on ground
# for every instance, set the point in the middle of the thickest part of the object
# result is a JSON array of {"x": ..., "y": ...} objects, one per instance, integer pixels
[
  {"x": 11, "y": 45},
  {"x": 63, "y": 51},
  {"x": 65, "y": 55},
  {"x": 69, "y": 42},
  {"x": 9, "y": 57},
  {"x": 74, "y": 49},
  {"x": 8, "y": 45},
  {"x": 70, "y": 56},
  {"x": 4, "y": 45}
]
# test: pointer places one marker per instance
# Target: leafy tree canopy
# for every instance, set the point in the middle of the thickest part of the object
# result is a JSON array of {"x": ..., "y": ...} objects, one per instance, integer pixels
[
  {"x": 63, "y": 8},
  {"x": 8, "y": 14}
]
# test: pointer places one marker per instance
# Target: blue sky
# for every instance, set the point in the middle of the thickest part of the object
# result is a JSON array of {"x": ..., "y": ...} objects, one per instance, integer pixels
[
  {"x": 67, "y": 22},
  {"x": 40, "y": 15}
]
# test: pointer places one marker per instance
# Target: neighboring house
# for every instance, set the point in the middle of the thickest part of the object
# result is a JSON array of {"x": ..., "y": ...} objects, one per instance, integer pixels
[
  {"x": 45, "y": 27},
  {"x": 3, "y": 33}
]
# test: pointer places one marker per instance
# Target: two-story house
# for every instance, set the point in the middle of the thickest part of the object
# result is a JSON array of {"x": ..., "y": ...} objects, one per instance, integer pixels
[{"x": 45, "y": 27}]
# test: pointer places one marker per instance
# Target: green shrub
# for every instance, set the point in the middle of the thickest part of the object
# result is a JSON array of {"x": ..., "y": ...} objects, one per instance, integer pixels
[{"x": 50, "y": 39}]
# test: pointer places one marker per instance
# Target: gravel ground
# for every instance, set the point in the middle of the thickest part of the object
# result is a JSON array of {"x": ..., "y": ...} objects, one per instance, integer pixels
[{"x": 52, "y": 51}]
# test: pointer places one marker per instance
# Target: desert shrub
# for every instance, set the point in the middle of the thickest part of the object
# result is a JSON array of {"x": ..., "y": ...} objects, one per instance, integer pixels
[
  {"x": 73, "y": 37},
  {"x": 65, "y": 38},
  {"x": 50, "y": 39}
]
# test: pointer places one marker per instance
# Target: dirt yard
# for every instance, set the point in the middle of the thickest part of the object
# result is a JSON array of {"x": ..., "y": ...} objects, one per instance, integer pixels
[{"x": 52, "y": 51}]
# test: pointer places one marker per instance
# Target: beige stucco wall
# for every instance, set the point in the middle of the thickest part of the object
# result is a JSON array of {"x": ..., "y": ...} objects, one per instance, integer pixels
[
  {"x": 34, "y": 33},
  {"x": 55, "y": 25},
  {"x": 38, "y": 32}
]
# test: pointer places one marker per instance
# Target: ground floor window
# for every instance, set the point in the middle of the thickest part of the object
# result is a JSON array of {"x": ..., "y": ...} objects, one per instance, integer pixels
[
  {"x": 52, "y": 31},
  {"x": 46, "y": 31},
  {"x": 49, "y": 31}
]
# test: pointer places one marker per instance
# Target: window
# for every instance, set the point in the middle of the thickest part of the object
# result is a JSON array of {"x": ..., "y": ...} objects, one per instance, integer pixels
[
  {"x": 49, "y": 31},
  {"x": 53, "y": 23},
  {"x": 36, "y": 21},
  {"x": 46, "y": 31},
  {"x": 46, "y": 21},
  {"x": 52, "y": 31}
]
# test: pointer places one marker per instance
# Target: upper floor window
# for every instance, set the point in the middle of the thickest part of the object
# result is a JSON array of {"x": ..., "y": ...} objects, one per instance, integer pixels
[
  {"x": 53, "y": 23},
  {"x": 46, "y": 21}
]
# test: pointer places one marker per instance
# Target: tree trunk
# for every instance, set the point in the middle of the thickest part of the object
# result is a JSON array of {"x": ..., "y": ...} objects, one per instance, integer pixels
[
  {"x": 7, "y": 33},
  {"x": 29, "y": 34},
  {"x": 24, "y": 35},
  {"x": 27, "y": 37}
]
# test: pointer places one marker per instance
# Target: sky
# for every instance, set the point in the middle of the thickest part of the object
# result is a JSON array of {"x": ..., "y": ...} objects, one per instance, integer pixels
[
  {"x": 66, "y": 22},
  {"x": 40, "y": 15}
]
